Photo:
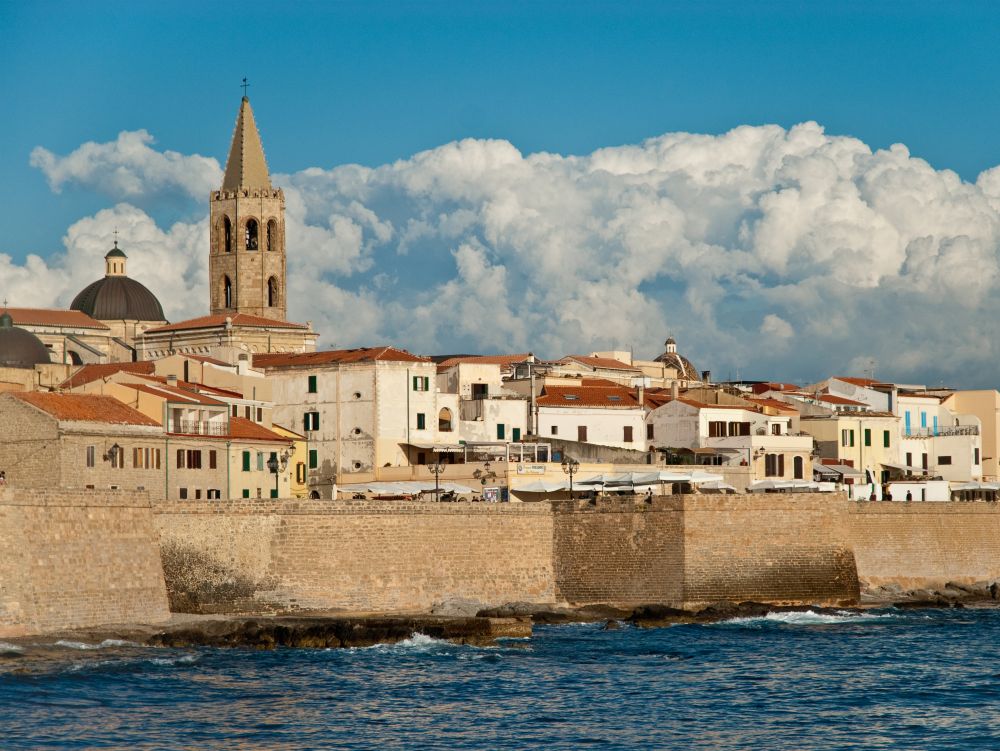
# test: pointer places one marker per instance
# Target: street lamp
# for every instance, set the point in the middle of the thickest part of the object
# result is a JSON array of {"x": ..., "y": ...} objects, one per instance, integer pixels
[
  {"x": 485, "y": 474},
  {"x": 275, "y": 465},
  {"x": 570, "y": 467},
  {"x": 436, "y": 469}
]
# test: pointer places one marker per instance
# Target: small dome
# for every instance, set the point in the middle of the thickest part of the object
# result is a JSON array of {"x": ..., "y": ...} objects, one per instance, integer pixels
[
  {"x": 116, "y": 252},
  {"x": 673, "y": 359},
  {"x": 20, "y": 348},
  {"x": 118, "y": 298}
]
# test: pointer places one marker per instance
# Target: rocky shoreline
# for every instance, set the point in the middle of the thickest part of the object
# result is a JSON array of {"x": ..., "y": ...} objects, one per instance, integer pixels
[{"x": 466, "y": 622}]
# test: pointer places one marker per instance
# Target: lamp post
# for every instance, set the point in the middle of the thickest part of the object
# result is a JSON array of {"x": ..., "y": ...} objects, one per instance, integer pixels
[
  {"x": 485, "y": 474},
  {"x": 570, "y": 467},
  {"x": 275, "y": 465},
  {"x": 436, "y": 469}
]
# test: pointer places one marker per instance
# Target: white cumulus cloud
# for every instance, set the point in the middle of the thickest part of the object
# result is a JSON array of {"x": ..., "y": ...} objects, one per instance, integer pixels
[{"x": 772, "y": 252}]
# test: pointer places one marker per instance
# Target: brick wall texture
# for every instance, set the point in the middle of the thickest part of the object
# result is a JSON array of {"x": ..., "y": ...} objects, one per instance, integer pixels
[
  {"x": 926, "y": 545},
  {"x": 76, "y": 559}
]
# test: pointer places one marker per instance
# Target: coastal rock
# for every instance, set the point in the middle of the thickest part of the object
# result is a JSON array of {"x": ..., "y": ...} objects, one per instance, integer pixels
[{"x": 459, "y": 607}]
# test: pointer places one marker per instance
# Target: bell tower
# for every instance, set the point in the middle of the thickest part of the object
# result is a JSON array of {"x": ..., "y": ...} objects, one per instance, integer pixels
[{"x": 246, "y": 263}]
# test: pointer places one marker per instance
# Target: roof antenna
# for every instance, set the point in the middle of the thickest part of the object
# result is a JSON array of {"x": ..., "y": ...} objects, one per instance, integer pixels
[{"x": 245, "y": 85}]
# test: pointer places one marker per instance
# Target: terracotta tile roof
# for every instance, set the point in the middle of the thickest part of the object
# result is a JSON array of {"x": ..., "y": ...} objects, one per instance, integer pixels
[
  {"x": 590, "y": 396},
  {"x": 867, "y": 382},
  {"x": 773, "y": 404},
  {"x": 483, "y": 360},
  {"x": 174, "y": 394},
  {"x": 240, "y": 427},
  {"x": 760, "y": 388},
  {"x": 238, "y": 319},
  {"x": 47, "y": 317},
  {"x": 326, "y": 357},
  {"x": 85, "y": 408},
  {"x": 598, "y": 362},
  {"x": 834, "y": 399},
  {"x": 198, "y": 388},
  {"x": 209, "y": 360},
  {"x": 90, "y": 373},
  {"x": 703, "y": 405}
]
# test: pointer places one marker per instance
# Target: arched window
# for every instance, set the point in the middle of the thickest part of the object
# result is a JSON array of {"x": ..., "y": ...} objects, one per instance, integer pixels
[
  {"x": 227, "y": 234},
  {"x": 251, "y": 234},
  {"x": 444, "y": 420},
  {"x": 797, "y": 467},
  {"x": 227, "y": 292},
  {"x": 272, "y": 235},
  {"x": 272, "y": 292}
]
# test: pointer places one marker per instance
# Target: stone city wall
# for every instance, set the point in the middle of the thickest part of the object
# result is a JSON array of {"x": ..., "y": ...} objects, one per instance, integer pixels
[
  {"x": 251, "y": 555},
  {"x": 925, "y": 545},
  {"x": 73, "y": 559}
]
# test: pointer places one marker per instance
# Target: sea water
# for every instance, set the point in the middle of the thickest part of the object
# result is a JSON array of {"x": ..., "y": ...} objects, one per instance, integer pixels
[{"x": 906, "y": 679}]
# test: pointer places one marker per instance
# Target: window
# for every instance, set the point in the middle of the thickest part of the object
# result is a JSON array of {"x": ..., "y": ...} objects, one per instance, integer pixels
[
  {"x": 311, "y": 421},
  {"x": 313, "y": 458},
  {"x": 975, "y": 457},
  {"x": 246, "y": 492},
  {"x": 300, "y": 473},
  {"x": 774, "y": 465},
  {"x": 227, "y": 236},
  {"x": 117, "y": 457},
  {"x": 180, "y": 458},
  {"x": 581, "y": 433},
  {"x": 627, "y": 438},
  {"x": 649, "y": 432},
  {"x": 923, "y": 461},
  {"x": 194, "y": 459},
  {"x": 91, "y": 456},
  {"x": 444, "y": 420},
  {"x": 247, "y": 412},
  {"x": 501, "y": 431},
  {"x": 213, "y": 461},
  {"x": 251, "y": 234},
  {"x": 868, "y": 436},
  {"x": 421, "y": 383},
  {"x": 909, "y": 459},
  {"x": 906, "y": 420},
  {"x": 515, "y": 434},
  {"x": 797, "y": 467},
  {"x": 421, "y": 421},
  {"x": 246, "y": 463},
  {"x": 213, "y": 494},
  {"x": 272, "y": 292},
  {"x": 236, "y": 411},
  {"x": 183, "y": 492},
  {"x": 554, "y": 430},
  {"x": 775, "y": 428},
  {"x": 923, "y": 419},
  {"x": 272, "y": 235},
  {"x": 944, "y": 460},
  {"x": 146, "y": 458},
  {"x": 227, "y": 291},
  {"x": 312, "y": 384},
  {"x": 260, "y": 414},
  {"x": 274, "y": 492},
  {"x": 885, "y": 438},
  {"x": 197, "y": 494},
  {"x": 717, "y": 429},
  {"x": 260, "y": 461}
]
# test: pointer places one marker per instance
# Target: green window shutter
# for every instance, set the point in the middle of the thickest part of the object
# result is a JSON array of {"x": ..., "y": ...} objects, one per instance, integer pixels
[
  {"x": 312, "y": 384},
  {"x": 852, "y": 439},
  {"x": 415, "y": 382},
  {"x": 427, "y": 383},
  {"x": 313, "y": 458},
  {"x": 885, "y": 438},
  {"x": 501, "y": 433},
  {"x": 516, "y": 434},
  {"x": 260, "y": 461},
  {"x": 274, "y": 493},
  {"x": 305, "y": 421},
  {"x": 246, "y": 464},
  {"x": 246, "y": 492},
  {"x": 868, "y": 436},
  {"x": 421, "y": 421}
]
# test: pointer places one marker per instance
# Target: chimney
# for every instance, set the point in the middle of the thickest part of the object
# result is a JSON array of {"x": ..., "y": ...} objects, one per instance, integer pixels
[
  {"x": 172, "y": 380},
  {"x": 706, "y": 376},
  {"x": 640, "y": 394},
  {"x": 675, "y": 390}
]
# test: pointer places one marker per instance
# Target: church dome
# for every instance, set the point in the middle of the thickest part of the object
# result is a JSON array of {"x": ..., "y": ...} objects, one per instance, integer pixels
[
  {"x": 116, "y": 297},
  {"x": 673, "y": 359},
  {"x": 20, "y": 348}
]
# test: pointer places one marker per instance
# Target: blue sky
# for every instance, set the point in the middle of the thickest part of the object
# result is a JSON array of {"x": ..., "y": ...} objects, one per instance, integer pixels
[{"x": 372, "y": 83}]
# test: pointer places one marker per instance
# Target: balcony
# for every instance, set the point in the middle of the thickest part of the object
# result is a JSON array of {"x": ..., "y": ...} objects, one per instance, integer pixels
[
  {"x": 943, "y": 431},
  {"x": 196, "y": 427}
]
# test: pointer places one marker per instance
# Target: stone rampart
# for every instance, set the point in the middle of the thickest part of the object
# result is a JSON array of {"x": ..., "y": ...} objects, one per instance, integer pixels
[
  {"x": 73, "y": 559},
  {"x": 925, "y": 545},
  {"x": 249, "y": 555}
]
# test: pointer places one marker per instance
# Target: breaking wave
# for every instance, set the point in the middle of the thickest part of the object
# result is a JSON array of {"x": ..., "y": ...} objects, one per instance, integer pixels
[
  {"x": 808, "y": 618},
  {"x": 6, "y": 648},
  {"x": 106, "y": 644}
]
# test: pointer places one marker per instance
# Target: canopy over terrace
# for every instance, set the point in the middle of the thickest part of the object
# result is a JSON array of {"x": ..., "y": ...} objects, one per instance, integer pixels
[
  {"x": 787, "y": 486},
  {"x": 473, "y": 451},
  {"x": 405, "y": 488},
  {"x": 622, "y": 480}
]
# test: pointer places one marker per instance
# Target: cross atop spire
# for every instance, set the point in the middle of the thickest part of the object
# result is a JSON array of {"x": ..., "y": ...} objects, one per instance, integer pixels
[
  {"x": 245, "y": 85},
  {"x": 246, "y": 166}
]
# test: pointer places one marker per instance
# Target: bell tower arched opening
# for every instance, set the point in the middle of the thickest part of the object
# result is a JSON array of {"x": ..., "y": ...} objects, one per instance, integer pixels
[
  {"x": 227, "y": 292},
  {"x": 251, "y": 234}
]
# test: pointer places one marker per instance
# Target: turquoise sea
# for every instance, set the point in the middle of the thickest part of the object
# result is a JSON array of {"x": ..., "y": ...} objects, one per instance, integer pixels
[{"x": 907, "y": 679}]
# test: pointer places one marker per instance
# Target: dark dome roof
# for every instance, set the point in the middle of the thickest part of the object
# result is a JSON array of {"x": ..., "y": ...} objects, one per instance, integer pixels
[
  {"x": 118, "y": 298},
  {"x": 673, "y": 359},
  {"x": 20, "y": 348}
]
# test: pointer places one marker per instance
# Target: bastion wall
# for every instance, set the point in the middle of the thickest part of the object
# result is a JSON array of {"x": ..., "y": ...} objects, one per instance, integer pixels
[
  {"x": 239, "y": 556},
  {"x": 73, "y": 559},
  {"x": 925, "y": 545}
]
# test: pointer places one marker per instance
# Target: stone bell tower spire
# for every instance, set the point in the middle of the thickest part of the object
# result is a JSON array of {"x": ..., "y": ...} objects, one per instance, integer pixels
[{"x": 247, "y": 234}]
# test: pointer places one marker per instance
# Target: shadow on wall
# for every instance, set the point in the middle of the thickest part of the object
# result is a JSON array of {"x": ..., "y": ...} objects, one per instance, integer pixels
[{"x": 197, "y": 582}]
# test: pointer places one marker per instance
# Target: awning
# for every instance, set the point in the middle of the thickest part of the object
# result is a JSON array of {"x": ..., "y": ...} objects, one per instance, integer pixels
[
  {"x": 642, "y": 479},
  {"x": 976, "y": 485},
  {"x": 790, "y": 485},
  {"x": 404, "y": 487},
  {"x": 904, "y": 468},
  {"x": 440, "y": 448},
  {"x": 840, "y": 470},
  {"x": 541, "y": 486}
]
